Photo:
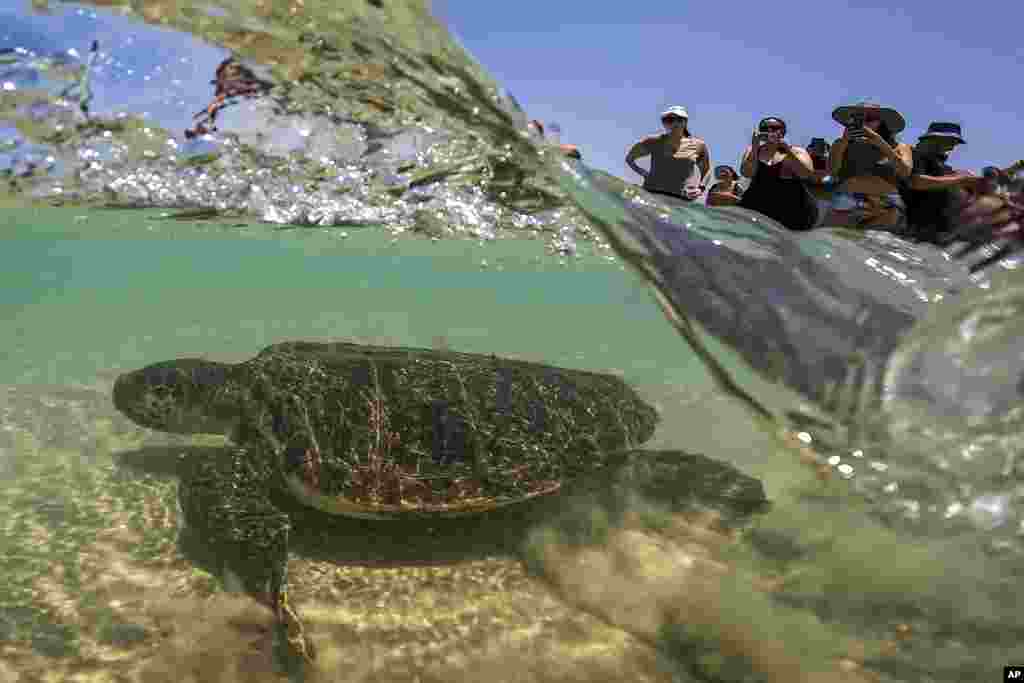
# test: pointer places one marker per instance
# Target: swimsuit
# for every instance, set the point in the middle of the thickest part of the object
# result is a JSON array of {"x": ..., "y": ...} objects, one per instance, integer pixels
[
  {"x": 864, "y": 160},
  {"x": 785, "y": 199},
  {"x": 863, "y": 209}
]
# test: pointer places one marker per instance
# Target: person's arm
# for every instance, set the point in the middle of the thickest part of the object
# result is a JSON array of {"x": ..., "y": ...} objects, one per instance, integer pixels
[
  {"x": 901, "y": 156},
  {"x": 748, "y": 167},
  {"x": 704, "y": 163},
  {"x": 902, "y": 159},
  {"x": 570, "y": 151},
  {"x": 749, "y": 164},
  {"x": 944, "y": 182},
  {"x": 637, "y": 151},
  {"x": 799, "y": 161}
]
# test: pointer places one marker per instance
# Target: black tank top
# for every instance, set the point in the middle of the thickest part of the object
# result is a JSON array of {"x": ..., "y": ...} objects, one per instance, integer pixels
[{"x": 784, "y": 199}]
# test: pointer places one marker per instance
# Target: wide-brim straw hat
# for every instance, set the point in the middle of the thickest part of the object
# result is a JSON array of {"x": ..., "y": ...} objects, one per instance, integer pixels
[{"x": 894, "y": 120}]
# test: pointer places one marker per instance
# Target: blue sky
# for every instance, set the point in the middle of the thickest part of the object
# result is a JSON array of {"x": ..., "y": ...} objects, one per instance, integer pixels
[{"x": 603, "y": 71}]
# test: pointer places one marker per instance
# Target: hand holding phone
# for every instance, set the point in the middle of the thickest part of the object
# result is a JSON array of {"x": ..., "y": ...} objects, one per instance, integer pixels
[{"x": 855, "y": 126}]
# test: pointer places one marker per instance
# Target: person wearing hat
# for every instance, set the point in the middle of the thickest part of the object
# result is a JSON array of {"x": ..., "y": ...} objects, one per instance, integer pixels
[
  {"x": 997, "y": 180},
  {"x": 679, "y": 161},
  {"x": 820, "y": 182},
  {"x": 819, "y": 151},
  {"x": 935, "y": 190},
  {"x": 727, "y": 191},
  {"x": 777, "y": 172},
  {"x": 868, "y": 167},
  {"x": 994, "y": 181}
]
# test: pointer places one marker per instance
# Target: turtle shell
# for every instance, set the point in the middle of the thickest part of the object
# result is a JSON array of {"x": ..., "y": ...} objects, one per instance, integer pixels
[{"x": 386, "y": 432}]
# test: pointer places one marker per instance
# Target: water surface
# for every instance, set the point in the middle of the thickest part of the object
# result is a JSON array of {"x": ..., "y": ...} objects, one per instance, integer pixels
[{"x": 386, "y": 191}]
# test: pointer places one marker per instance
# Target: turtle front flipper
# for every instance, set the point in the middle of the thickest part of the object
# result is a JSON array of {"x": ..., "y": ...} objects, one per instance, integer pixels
[{"x": 231, "y": 527}]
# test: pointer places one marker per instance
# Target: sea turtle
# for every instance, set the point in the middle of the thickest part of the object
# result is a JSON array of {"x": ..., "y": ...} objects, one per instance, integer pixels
[{"x": 378, "y": 432}]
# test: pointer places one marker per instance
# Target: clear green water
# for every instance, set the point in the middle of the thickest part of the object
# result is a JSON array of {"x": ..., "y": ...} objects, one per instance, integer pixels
[
  {"x": 86, "y": 293},
  {"x": 89, "y": 292},
  {"x": 122, "y": 289}
]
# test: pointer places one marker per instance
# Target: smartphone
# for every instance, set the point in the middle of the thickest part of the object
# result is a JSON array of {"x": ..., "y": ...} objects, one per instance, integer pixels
[{"x": 855, "y": 126}]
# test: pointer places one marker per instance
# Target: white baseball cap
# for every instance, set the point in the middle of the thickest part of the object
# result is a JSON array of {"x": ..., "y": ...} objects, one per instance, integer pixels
[{"x": 676, "y": 111}]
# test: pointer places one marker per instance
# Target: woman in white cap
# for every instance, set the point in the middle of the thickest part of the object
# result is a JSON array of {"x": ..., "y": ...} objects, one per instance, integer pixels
[
  {"x": 679, "y": 161},
  {"x": 868, "y": 168}
]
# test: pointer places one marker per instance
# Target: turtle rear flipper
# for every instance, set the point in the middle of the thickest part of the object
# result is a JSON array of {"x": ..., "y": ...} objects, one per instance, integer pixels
[
  {"x": 677, "y": 482},
  {"x": 226, "y": 508}
]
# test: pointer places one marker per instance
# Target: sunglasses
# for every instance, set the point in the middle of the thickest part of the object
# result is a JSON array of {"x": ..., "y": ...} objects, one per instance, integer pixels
[
  {"x": 771, "y": 129},
  {"x": 671, "y": 119}
]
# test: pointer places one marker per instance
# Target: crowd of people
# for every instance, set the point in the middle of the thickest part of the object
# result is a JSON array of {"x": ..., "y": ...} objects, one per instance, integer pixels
[{"x": 866, "y": 178}]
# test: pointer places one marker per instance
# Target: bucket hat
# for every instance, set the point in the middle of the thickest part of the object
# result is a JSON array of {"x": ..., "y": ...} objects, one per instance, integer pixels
[{"x": 944, "y": 129}]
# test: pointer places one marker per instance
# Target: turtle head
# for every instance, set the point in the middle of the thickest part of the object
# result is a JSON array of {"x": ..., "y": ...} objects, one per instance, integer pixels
[{"x": 181, "y": 396}]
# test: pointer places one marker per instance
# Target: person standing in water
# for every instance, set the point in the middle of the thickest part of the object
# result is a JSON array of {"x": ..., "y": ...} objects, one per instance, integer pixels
[
  {"x": 869, "y": 167},
  {"x": 727, "y": 191},
  {"x": 778, "y": 170},
  {"x": 819, "y": 152},
  {"x": 679, "y": 161},
  {"x": 935, "y": 190}
]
